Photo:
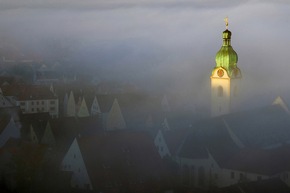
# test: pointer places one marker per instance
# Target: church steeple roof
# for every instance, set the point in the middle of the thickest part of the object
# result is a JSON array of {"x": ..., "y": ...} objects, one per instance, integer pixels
[{"x": 226, "y": 57}]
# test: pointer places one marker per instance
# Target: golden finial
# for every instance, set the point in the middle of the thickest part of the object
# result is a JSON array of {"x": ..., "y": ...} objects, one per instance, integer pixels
[{"x": 227, "y": 22}]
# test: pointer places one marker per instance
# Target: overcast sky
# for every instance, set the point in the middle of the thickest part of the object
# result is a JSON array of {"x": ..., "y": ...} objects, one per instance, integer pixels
[{"x": 147, "y": 40}]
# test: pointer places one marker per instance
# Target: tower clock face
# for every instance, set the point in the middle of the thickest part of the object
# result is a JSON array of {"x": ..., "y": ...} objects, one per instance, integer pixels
[{"x": 220, "y": 73}]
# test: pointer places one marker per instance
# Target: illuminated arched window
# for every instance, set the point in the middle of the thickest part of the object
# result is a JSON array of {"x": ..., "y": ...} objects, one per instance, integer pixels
[{"x": 220, "y": 91}]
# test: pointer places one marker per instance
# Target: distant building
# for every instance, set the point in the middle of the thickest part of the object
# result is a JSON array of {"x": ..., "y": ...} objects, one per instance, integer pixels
[
  {"x": 46, "y": 76},
  {"x": 33, "y": 99}
]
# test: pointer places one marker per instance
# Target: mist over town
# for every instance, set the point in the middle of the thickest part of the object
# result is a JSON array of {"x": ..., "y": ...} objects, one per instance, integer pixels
[{"x": 144, "y": 96}]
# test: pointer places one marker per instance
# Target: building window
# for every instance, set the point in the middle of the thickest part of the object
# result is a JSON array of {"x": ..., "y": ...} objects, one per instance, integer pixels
[
  {"x": 75, "y": 156},
  {"x": 52, "y": 108},
  {"x": 52, "y": 102},
  {"x": 42, "y": 102},
  {"x": 37, "y": 102},
  {"x": 220, "y": 91},
  {"x": 22, "y": 103},
  {"x": 32, "y": 109},
  {"x": 32, "y": 102},
  {"x": 232, "y": 175}
]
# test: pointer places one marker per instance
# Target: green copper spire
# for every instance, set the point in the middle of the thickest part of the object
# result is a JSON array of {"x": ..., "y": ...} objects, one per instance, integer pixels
[{"x": 226, "y": 57}]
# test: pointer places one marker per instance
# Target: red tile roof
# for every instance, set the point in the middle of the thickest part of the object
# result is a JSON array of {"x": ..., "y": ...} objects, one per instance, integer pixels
[{"x": 28, "y": 92}]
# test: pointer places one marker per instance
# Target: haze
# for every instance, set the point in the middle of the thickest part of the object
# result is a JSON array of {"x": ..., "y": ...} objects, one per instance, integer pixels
[{"x": 165, "y": 45}]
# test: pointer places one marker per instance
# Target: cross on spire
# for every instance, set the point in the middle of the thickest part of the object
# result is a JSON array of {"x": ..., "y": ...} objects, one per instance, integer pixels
[{"x": 226, "y": 22}]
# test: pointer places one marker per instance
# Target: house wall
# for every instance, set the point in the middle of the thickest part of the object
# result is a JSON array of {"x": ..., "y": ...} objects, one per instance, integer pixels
[
  {"x": 229, "y": 177},
  {"x": 95, "y": 108},
  {"x": 71, "y": 106},
  {"x": 115, "y": 119},
  {"x": 202, "y": 173},
  {"x": 220, "y": 93},
  {"x": 42, "y": 105},
  {"x": 48, "y": 137},
  {"x": 214, "y": 176},
  {"x": 161, "y": 145},
  {"x": 83, "y": 109},
  {"x": 73, "y": 161},
  {"x": 284, "y": 176}
]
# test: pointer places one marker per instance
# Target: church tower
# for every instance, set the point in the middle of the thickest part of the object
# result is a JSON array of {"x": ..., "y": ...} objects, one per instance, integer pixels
[{"x": 225, "y": 77}]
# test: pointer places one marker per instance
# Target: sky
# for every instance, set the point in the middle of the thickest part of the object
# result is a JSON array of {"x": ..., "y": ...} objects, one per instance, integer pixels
[{"x": 165, "y": 44}]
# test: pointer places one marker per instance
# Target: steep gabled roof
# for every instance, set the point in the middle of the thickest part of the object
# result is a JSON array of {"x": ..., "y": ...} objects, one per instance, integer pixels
[
  {"x": 4, "y": 120},
  {"x": 261, "y": 161},
  {"x": 65, "y": 130},
  {"x": 105, "y": 102},
  {"x": 263, "y": 127},
  {"x": 37, "y": 120},
  {"x": 119, "y": 157},
  {"x": 209, "y": 136},
  {"x": 229, "y": 138},
  {"x": 36, "y": 93},
  {"x": 174, "y": 139}
]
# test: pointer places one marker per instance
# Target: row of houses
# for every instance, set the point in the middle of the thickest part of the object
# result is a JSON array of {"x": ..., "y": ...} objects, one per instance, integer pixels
[
  {"x": 138, "y": 143},
  {"x": 108, "y": 148}
]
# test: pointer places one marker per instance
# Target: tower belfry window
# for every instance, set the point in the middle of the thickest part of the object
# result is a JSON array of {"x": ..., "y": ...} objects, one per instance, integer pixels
[{"x": 220, "y": 91}]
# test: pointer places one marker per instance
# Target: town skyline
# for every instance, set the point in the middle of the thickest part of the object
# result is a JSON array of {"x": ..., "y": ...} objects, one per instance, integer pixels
[{"x": 171, "y": 44}]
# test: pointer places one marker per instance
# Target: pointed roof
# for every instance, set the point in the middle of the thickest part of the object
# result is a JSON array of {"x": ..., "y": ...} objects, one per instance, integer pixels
[
  {"x": 282, "y": 103},
  {"x": 224, "y": 136},
  {"x": 262, "y": 127},
  {"x": 4, "y": 121},
  {"x": 48, "y": 136},
  {"x": 114, "y": 157},
  {"x": 174, "y": 138},
  {"x": 115, "y": 117},
  {"x": 261, "y": 161},
  {"x": 83, "y": 109},
  {"x": 209, "y": 136}
]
